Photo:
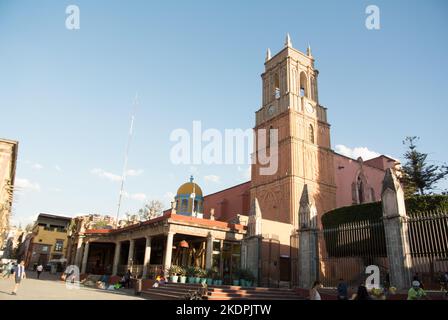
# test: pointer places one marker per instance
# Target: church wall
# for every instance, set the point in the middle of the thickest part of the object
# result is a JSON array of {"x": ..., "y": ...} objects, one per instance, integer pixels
[
  {"x": 346, "y": 171},
  {"x": 228, "y": 203}
]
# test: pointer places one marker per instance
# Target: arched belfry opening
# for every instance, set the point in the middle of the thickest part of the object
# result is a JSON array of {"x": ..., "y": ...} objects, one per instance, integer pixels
[
  {"x": 276, "y": 86},
  {"x": 303, "y": 89}
]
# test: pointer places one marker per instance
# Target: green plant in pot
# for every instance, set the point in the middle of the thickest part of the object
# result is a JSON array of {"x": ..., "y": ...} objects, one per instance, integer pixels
[
  {"x": 199, "y": 274},
  {"x": 249, "y": 277},
  {"x": 203, "y": 276},
  {"x": 209, "y": 274},
  {"x": 174, "y": 272},
  {"x": 216, "y": 279},
  {"x": 190, "y": 273},
  {"x": 242, "y": 277},
  {"x": 182, "y": 275},
  {"x": 236, "y": 277}
]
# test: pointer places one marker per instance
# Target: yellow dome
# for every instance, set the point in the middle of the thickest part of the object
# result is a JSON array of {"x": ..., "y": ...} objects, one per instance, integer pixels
[{"x": 189, "y": 187}]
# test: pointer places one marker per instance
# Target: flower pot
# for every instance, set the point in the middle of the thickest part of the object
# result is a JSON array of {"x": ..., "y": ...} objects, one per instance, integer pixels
[
  {"x": 249, "y": 283},
  {"x": 183, "y": 279},
  {"x": 203, "y": 280},
  {"x": 190, "y": 279},
  {"x": 174, "y": 279},
  {"x": 243, "y": 283},
  {"x": 209, "y": 281},
  {"x": 236, "y": 282},
  {"x": 197, "y": 280}
]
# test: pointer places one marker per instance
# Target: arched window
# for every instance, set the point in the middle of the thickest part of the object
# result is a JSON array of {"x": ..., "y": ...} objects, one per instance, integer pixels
[
  {"x": 303, "y": 90},
  {"x": 311, "y": 133},
  {"x": 276, "y": 86},
  {"x": 313, "y": 89},
  {"x": 184, "y": 206},
  {"x": 360, "y": 190}
]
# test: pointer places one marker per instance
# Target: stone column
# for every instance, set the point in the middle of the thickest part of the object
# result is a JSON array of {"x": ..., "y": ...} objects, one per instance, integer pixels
[
  {"x": 116, "y": 258},
  {"x": 396, "y": 231},
  {"x": 209, "y": 252},
  {"x": 308, "y": 245},
  {"x": 147, "y": 257},
  {"x": 251, "y": 244},
  {"x": 84, "y": 258},
  {"x": 78, "y": 251},
  {"x": 168, "y": 252},
  {"x": 131, "y": 253}
]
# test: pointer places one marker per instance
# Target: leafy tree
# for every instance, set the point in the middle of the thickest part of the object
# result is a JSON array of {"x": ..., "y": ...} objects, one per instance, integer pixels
[
  {"x": 417, "y": 175},
  {"x": 101, "y": 224},
  {"x": 29, "y": 227},
  {"x": 151, "y": 210},
  {"x": 131, "y": 219}
]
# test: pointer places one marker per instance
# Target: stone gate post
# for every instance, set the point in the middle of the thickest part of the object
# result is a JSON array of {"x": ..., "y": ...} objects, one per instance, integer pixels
[
  {"x": 396, "y": 231},
  {"x": 308, "y": 246}
]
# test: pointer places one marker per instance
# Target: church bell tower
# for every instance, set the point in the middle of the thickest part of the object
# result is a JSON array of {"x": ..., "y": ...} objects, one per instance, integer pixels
[{"x": 291, "y": 108}]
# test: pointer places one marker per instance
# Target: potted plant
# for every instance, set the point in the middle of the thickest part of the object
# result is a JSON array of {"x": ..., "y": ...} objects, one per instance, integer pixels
[
  {"x": 216, "y": 280},
  {"x": 242, "y": 277},
  {"x": 236, "y": 277},
  {"x": 190, "y": 273},
  {"x": 249, "y": 277},
  {"x": 182, "y": 274},
  {"x": 197, "y": 274},
  {"x": 202, "y": 276},
  {"x": 210, "y": 275},
  {"x": 174, "y": 273}
]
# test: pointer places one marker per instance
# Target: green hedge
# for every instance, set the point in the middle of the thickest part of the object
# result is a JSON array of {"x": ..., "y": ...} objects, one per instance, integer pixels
[{"x": 373, "y": 211}]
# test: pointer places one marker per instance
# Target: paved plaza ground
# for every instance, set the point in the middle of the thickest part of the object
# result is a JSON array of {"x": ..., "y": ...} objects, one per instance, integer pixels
[{"x": 49, "y": 287}]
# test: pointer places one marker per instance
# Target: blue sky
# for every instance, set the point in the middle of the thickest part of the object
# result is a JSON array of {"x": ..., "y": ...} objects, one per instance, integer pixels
[{"x": 66, "y": 95}]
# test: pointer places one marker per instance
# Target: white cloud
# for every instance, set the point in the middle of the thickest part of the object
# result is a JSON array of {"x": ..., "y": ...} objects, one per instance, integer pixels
[
  {"x": 37, "y": 166},
  {"x": 134, "y": 173},
  {"x": 135, "y": 196},
  {"x": 194, "y": 170},
  {"x": 356, "y": 152},
  {"x": 115, "y": 177},
  {"x": 169, "y": 195},
  {"x": 212, "y": 178},
  {"x": 245, "y": 173},
  {"x": 104, "y": 174},
  {"x": 58, "y": 168},
  {"x": 25, "y": 184},
  {"x": 55, "y": 189},
  {"x": 138, "y": 196}
]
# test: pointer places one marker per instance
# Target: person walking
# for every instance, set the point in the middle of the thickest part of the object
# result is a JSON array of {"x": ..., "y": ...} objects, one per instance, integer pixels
[
  {"x": 314, "y": 293},
  {"x": 19, "y": 275},
  {"x": 342, "y": 290},
  {"x": 39, "y": 270}
]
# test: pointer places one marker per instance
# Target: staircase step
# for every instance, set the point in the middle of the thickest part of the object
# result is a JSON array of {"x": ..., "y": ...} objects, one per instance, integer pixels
[{"x": 179, "y": 290}]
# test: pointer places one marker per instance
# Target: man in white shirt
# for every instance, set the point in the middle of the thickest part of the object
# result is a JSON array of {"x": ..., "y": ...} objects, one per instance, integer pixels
[
  {"x": 39, "y": 270},
  {"x": 19, "y": 274}
]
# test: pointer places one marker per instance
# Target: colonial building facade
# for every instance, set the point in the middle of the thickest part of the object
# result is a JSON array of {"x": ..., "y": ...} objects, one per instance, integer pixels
[{"x": 250, "y": 225}]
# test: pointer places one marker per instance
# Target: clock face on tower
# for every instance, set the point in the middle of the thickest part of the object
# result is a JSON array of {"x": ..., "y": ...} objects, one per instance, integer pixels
[{"x": 309, "y": 108}]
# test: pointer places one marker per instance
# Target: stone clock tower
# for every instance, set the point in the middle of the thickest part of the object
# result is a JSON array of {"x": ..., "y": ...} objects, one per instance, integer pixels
[{"x": 290, "y": 105}]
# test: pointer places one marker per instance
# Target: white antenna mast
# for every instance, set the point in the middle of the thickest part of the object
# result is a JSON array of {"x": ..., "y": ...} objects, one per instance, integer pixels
[{"x": 123, "y": 177}]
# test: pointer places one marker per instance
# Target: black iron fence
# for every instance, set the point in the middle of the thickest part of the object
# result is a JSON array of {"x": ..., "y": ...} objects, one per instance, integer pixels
[
  {"x": 428, "y": 246},
  {"x": 346, "y": 250}
]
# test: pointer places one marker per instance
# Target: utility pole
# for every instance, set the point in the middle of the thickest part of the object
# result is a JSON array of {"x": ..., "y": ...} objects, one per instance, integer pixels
[{"x": 126, "y": 154}]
